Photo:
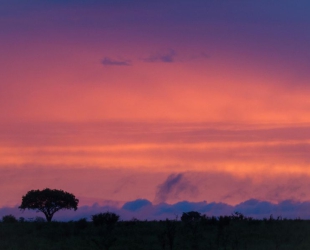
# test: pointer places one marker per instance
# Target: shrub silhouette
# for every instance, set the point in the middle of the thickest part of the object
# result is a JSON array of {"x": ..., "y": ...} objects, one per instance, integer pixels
[
  {"x": 238, "y": 216},
  {"x": 48, "y": 201},
  {"x": 191, "y": 216},
  {"x": 9, "y": 219},
  {"x": 107, "y": 218}
]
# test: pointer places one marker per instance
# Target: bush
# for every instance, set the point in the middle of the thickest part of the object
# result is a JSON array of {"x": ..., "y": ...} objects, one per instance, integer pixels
[
  {"x": 107, "y": 218},
  {"x": 9, "y": 219},
  {"x": 191, "y": 216}
]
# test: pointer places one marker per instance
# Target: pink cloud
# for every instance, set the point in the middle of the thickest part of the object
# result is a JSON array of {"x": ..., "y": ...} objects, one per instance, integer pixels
[
  {"x": 99, "y": 185},
  {"x": 233, "y": 127}
]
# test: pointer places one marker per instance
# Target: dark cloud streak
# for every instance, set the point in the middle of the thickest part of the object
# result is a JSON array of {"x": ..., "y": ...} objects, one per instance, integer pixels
[
  {"x": 112, "y": 62},
  {"x": 168, "y": 57},
  {"x": 173, "y": 186}
]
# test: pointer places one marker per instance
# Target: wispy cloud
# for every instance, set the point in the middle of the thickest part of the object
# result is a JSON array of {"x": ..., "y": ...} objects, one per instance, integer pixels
[
  {"x": 91, "y": 168},
  {"x": 167, "y": 187},
  {"x": 167, "y": 57},
  {"x": 174, "y": 185},
  {"x": 113, "y": 62}
]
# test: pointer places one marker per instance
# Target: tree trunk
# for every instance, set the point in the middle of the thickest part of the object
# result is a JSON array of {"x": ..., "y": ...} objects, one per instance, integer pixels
[{"x": 48, "y": 217}]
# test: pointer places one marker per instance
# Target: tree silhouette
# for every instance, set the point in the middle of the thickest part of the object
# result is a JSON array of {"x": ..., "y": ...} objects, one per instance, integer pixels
[
  {"x": 109, "y": 219},
  {"x": 48, "y": 201}
]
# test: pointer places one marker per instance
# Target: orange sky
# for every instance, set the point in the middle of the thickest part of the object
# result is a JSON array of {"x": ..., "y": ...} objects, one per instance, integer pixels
[{"x": 120, "y": 92}]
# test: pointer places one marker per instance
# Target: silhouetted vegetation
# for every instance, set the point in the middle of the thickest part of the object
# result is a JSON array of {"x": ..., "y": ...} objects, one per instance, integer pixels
[
  {"x": 234, "y": 232},
  {"x": 107, "y": 218},
  {"x": 9, "y": 219},
  {"x": 191, "y": 216},
  {"x": 48, "y": 201}
]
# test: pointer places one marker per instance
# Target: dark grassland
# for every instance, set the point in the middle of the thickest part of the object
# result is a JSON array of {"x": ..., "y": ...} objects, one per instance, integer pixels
[{"x": 207, "y": 233}]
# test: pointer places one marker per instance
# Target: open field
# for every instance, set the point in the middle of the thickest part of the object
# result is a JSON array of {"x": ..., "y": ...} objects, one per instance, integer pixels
[{"x": 208, "y": 233}]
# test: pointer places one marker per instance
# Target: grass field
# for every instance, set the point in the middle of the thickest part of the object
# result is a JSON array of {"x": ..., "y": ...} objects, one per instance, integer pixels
[{"x": 207, "y": 233}]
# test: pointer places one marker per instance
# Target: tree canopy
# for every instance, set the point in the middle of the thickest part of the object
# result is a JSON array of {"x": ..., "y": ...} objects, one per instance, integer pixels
[{"x": 49, "y": 201}]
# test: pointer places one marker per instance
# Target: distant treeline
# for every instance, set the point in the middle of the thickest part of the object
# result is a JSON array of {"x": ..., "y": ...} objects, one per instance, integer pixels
[{"x": 190, "y": 232}]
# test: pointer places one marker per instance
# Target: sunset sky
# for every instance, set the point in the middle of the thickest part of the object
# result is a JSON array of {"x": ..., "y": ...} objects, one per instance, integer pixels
[{"x": 200, "y": 100}]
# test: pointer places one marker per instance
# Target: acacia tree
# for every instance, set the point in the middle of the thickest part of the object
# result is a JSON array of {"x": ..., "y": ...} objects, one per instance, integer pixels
[{"x": 48, "y": 201}]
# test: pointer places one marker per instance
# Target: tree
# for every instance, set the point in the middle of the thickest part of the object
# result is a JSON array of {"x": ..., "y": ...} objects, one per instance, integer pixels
[{"x": 48, "y": 201}]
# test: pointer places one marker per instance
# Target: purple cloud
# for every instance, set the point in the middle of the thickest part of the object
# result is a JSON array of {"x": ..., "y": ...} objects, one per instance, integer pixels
[
  {"x": 145, "y": 210},
  {"x": 174, "y": 185},
  {"x": 136, "y": 205},
  {"x": 111, "y": 62},
  {"x": 168, "y": 57}
]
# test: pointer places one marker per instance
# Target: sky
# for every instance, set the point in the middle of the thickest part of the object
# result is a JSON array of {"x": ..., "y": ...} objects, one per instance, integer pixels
[{"x": 195, "y": 101}]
